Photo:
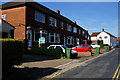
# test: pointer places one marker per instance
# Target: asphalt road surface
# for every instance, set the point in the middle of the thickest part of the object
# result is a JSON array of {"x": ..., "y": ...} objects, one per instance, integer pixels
[{"x": 102, "y": 67}]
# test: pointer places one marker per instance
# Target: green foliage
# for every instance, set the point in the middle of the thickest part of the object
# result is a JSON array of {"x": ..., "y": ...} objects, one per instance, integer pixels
[
  {"x": 102, "y": 45},
  {"x": 57, "y": 53},
  {"x": 100, "y": 42},
  {"x": 12, "y": 51}
]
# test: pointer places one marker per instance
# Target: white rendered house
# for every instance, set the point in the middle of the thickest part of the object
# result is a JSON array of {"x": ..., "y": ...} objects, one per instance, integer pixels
[{"x": 105, "y": 36}]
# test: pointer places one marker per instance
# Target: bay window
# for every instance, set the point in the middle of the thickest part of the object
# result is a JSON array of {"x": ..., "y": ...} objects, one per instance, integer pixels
[
  {"x": 54, "y": 38},
  {"x": 70, "y": 40}
]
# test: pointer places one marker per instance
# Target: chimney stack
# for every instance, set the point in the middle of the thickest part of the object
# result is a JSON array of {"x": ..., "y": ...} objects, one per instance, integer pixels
[
  {"x": 58, "y": 11},
  {"x": 103, "y": 29},
  {"x": 75, "y": 22}
]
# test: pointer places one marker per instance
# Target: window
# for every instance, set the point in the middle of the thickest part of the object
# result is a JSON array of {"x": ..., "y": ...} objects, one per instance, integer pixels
[
  {"x": 83, "y": 32},
  {"x": 39, "y": 17},
  {"x": 75, "y": 30},
  {"x": 100, "y": 37},
  {"x": 62, "y": 25},
  {"x": 52, "y": 21},
  {"x": 70, "y": 40},
  {"x": 54, "y": 38},
  {"x": 40, "y": 33},
  {"x": 77, "y": 41},
  {"x": 105, "y": 37},
  {"x": 51, "y": 47},
  {"x": 69, "y": 27},
  {"x": 79, "y": 31},
  {"x": 80, "y": 46}
]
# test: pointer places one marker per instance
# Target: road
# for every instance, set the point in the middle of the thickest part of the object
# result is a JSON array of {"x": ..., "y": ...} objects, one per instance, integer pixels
[{"x": 104, "y": 67}]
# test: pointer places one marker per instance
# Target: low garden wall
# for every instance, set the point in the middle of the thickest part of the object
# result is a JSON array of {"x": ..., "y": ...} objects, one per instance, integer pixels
[{"x": 84, "y": 54}]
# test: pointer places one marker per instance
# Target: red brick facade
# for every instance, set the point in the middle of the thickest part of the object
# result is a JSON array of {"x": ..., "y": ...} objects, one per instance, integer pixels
[
  {"x": 16, "y": 17},
  {"x": 23, "y": 15}
]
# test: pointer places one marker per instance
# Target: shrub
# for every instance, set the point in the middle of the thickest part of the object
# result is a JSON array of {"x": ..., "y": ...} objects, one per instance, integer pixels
[
  {"x": 100, "y": 42},
  {"x": 12, "y": 51},
  {"x": 57, "y": 53},
  {"x": 102, "y": 45}
]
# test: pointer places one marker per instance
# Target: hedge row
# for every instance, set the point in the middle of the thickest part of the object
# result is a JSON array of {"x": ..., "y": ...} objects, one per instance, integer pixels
[
  {"x": 57, "y": 53},
  {"x": 12, "y": 51}
]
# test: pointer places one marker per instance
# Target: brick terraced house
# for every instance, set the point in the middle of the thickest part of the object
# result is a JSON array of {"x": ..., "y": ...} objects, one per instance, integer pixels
[{"x": 34, "y": 21}]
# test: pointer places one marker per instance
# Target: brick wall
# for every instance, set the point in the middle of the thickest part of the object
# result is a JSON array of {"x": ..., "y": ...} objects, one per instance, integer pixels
[
  {"x": 16, "y": 17},
  {"x": 84, "y": 54}
]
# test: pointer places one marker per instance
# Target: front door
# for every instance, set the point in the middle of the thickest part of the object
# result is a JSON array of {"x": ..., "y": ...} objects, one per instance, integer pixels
[{"x": 29, "y": 37}]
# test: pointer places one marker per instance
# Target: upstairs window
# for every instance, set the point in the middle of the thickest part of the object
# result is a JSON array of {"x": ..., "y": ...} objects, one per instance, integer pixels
[
  {"x": 52, "y": 21},
  {"x": 100, "y": 37},
  {"x": 83, "y": 32},
  {"x": 79, "y": 31},
  {"x": 105, "y": 37},
  {"x": 69, "y": 27},
  {"x": 75, "y": 30},
  {"x": 62, "y": 25},
  {"x": 40, "y": 17}
]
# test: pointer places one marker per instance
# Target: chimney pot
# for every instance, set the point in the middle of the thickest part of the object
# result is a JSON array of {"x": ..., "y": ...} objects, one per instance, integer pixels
[
  {"x": 75, "y": 22},
  {"x": 103, "y": 29},
  {"x": 58, "y": 11}
]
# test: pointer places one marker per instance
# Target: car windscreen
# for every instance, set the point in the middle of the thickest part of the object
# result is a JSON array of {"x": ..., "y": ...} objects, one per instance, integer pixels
[
  {"x": 80, "y": 46},
  {"x": 64, "y": 47}
]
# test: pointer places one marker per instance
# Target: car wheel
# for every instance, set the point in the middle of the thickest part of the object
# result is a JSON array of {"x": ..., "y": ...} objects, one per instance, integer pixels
[{"x": 88, "y": 51}]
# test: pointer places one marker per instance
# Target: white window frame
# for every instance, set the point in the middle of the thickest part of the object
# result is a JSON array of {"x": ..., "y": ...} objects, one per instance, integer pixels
[
  {"x": 83, "y": 32},
  {"x": 69, "y": 27},
  {"x": 62, "y": 25},
  {"x": 74, "y": 29},
  {"x": 53, "y": 21},
  {"x": 34, "y": 35},
  {"x": 40, "y": 17},
  {"x": 71, "y": 40},
  {"x": 77, "y": 41},
  {"x": 40, "y": 32},
  {"x": 55, "y": 35},
  {"x": 79, "y": 31}
]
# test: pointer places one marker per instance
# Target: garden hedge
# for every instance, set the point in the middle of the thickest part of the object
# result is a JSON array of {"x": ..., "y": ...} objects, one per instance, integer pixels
[
  {"x": 12, "y": 51},
  {"x": 56, "y": 53}
]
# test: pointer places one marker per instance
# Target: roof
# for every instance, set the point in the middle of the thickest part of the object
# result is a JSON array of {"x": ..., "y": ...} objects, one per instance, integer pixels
[
  {"x": 118, "y": 38},
  {"x": 6, "y": 27},
  {"x": 41, "y": 8},
  {"x": 96, "y": 33},
  {"x": 110, "y": 34}
]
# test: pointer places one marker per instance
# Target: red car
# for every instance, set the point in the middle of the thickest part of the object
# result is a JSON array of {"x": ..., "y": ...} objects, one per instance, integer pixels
[{"x": 82, "y": 48}]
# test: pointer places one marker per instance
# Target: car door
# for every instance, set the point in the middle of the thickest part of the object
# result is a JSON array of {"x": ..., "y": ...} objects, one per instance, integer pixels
[
  {"x": 84, "y": 48},
  {"x": 79, "y": 48}
]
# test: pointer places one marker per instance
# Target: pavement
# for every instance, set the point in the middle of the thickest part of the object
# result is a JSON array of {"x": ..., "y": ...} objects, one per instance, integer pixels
[{"x": 35, "y": 67}]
